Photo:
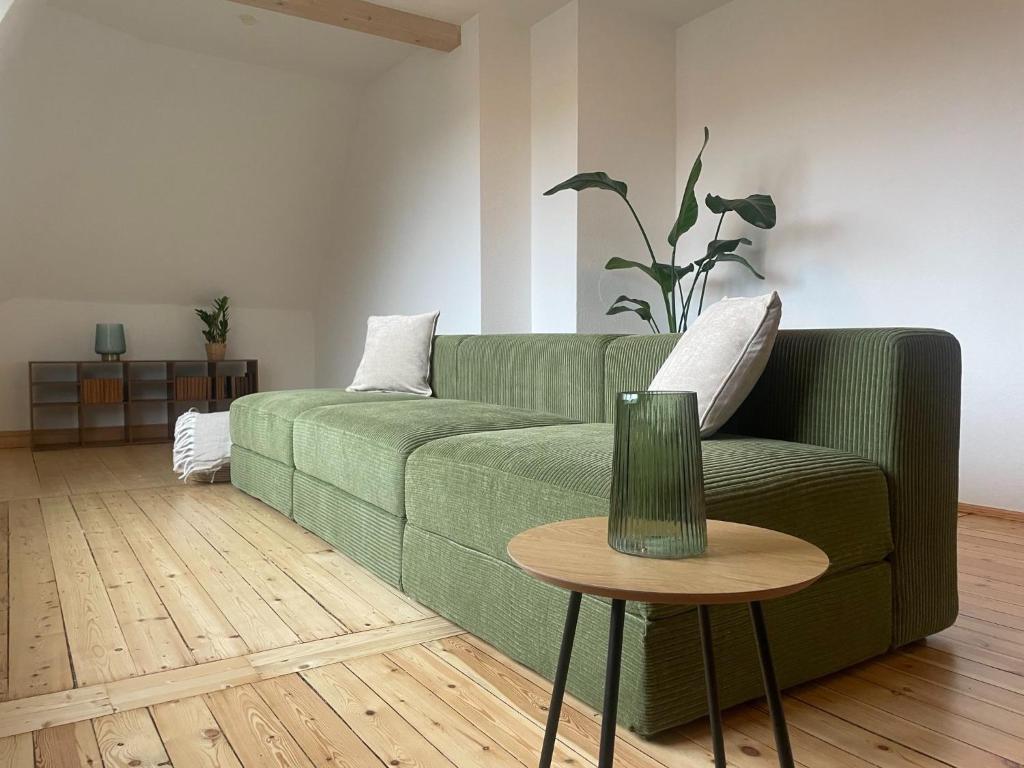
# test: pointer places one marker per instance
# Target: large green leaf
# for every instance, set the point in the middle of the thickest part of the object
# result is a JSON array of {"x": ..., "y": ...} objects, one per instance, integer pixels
[
  {"x": 758, "y": 210},
  {"x": 642, "y": 308},
  {"x": 591, "y": 180},
  {"x": 716, "y": 247},
  {"x": 618, "y": 263},
  {"x": 665, "y": 275},
  {"x": 739, "y": 260},
  {"x": 688, "y": 207}
]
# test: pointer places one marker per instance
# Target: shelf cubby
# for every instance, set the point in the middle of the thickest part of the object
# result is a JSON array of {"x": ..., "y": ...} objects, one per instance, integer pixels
[{"x": 96, "y": 402}]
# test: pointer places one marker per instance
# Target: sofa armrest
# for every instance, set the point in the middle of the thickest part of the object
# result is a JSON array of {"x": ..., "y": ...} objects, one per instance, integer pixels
[{"x": 891, "y": 396}]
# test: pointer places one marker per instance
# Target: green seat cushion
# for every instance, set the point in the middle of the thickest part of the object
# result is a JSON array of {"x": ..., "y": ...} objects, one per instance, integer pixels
[
  {"x": 362, "y": 449},
  {"x": 262, "y": 422},
  {"x": 479, "y": 490}
]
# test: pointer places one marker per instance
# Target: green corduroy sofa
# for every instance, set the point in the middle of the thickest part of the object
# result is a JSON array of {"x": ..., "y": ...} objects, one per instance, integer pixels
[{"x": 850, "y": 440}]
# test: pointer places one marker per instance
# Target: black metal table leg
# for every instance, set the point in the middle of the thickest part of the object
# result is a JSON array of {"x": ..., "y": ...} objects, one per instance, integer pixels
[
  {"x": 561, "y": 673},
  {"x": 771, "y": 687},
  {"x": 711, "y": 685},
  {"x": 611, "y": 685}
]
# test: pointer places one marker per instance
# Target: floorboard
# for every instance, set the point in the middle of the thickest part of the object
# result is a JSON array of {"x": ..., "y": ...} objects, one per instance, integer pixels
[
  {"x": 254, "y": 620},
  {"x": 259, "y": 738},
  {"x": 38, "y": 647},
  {"x": 206, "y": 631},
  {"x": 335, "y": 594},
  {"x": 303, "y": 615},
  {"x": 98, "y": 649},
  {"x": 192, "y": 736},
  {"x": 154, "y": 642},
  {"x": 321, "y": 732},
  {"x": 381, "y": 728},
  {"x": 147, "y": 623},
  {"x": 130, "y": 740},
  {"x": 17, "y": 751},
  {"x": 453, "y": 735},
  {"x": 68, "y": 746},
  {"x": 4, "y": 594}
]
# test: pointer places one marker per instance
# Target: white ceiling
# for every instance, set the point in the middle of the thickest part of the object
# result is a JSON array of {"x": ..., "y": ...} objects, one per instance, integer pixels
[{"x": 229, "y": 30}]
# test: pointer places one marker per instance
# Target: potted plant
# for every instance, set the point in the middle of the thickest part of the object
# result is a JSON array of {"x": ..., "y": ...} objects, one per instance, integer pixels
[
  {"x": 671, "y": 277},
  {"x": 216, "y": 333}
]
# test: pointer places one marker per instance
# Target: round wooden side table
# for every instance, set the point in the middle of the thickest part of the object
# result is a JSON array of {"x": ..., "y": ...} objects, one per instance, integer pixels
[{"x": 742, "y": 564}]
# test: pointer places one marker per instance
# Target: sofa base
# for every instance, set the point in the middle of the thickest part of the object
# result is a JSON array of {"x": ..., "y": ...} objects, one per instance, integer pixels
[
  {"x": 662, "y": 675},
  {"x": 367, "y": 534},
  {"x": 268, "y": 480}
]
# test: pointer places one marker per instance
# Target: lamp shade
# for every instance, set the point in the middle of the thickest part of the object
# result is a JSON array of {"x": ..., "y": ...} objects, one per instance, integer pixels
[{"x": 110, "y": 339}]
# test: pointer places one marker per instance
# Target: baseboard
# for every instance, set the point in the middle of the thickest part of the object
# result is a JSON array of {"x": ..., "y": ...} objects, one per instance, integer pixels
[
  {"x": 983, "y": 511},
  {"x": 15, "y": 439}
]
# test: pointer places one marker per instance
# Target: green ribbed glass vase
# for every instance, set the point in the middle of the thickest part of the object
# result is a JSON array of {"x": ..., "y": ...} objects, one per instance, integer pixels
[{"x": 657, "y": 501}]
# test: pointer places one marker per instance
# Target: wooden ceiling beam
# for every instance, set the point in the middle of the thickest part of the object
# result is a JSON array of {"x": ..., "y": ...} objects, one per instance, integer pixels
[{"x": 363, "y": 16}]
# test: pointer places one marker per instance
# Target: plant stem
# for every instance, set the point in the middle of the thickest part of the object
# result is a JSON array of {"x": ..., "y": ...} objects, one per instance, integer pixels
[
  {"x": 643, "y": 232},
  {"x": 704, "y": 285},
  {"x": 669, "y": 311},
  {"x": 674, "y": 283},
  {"x": 689, "y": 297},
  {"x": 682, "y": 308}
]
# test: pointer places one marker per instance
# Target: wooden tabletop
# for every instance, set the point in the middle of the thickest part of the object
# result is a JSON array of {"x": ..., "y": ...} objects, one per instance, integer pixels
[{"x": 743, "y": 563}]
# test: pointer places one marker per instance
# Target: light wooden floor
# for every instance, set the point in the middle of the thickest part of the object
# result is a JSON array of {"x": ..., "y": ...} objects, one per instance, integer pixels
[{"x": 155, "y": 624}]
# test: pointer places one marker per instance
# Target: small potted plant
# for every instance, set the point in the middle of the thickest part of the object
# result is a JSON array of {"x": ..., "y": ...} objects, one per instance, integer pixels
[{"x": 216, "y": 333}]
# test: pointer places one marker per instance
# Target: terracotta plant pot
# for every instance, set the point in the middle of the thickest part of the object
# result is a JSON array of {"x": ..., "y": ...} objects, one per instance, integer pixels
[{"x": 215, "y": 351}]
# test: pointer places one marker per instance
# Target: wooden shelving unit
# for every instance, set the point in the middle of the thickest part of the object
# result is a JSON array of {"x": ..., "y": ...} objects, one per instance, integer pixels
[{"x": 77, "y": 403}]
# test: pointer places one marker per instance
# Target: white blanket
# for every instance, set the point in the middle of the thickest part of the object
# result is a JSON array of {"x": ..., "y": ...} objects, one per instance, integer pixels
[{"x": 202, "y": 443}]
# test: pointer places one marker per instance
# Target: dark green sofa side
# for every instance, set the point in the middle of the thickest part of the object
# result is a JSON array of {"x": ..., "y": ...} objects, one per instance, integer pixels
[{"x": 891, "y": 395}]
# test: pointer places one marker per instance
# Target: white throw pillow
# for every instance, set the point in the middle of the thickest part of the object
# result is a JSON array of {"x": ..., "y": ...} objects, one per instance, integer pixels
[
  {"x": 722, "y": 356},
  {"x": 396, "y": 357}
]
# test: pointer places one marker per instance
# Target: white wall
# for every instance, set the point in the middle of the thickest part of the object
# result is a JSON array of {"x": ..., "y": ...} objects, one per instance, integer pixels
[
  {"x": 137, "y": 175},
  {"x": 627, "y": 129},
  {"x": 554, "y": 149},
  {"x": 504, "y": 50},
  {"x": 891, "y": 136},
  {"x": 603, "y": 99},
  {"x": 408, "y": 224}
]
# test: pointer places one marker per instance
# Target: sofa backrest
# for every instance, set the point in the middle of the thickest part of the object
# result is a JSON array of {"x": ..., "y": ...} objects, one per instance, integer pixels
[
  {"x": 444, "y": 366},
  {"x": 630, "y": 364},
  {"x": 560, "y": 373}
]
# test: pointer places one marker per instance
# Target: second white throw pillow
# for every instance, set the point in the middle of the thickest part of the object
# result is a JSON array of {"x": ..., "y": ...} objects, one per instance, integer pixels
[
  {"x": 722, "y": 356},
  {"x": 396, "y": 357}
]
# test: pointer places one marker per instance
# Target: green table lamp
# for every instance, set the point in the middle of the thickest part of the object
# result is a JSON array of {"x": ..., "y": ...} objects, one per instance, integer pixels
[{"x": 110, "y": 341}]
